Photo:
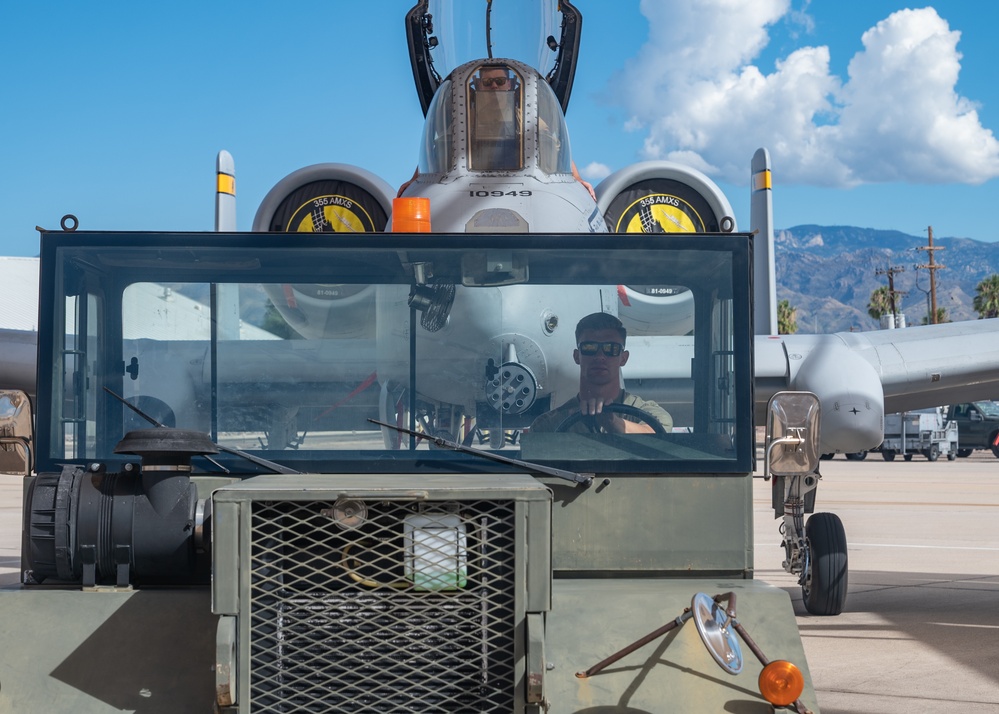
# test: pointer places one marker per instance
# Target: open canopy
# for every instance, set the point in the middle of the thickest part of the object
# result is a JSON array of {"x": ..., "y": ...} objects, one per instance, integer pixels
[{"x": 444, "y": 34}]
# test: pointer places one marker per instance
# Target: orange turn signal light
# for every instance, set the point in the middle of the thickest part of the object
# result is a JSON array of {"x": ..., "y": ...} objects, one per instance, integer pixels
[
  {"x": 411, "y": 214},
  {"x": 781, "y": 683}
]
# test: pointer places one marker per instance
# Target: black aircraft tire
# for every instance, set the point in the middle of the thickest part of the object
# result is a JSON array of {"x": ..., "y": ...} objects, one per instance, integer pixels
[
  {"x": 888, "y": 455},
  {"x": 824, "y": 591}
]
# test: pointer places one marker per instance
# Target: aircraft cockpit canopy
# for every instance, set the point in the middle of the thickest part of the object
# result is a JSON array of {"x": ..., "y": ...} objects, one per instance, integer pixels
[
  {"x": 443, "y": 35},
  {"x": 495, "y": 116}
]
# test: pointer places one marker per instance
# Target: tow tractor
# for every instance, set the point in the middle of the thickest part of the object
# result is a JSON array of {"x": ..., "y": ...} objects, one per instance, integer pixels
[
  {"x": 294, "y": 470},
  {"x": 218, "y": 516}
]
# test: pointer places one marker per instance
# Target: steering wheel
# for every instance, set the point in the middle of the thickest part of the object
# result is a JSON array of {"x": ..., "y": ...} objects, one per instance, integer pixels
[{"x": 623, "y": 409}]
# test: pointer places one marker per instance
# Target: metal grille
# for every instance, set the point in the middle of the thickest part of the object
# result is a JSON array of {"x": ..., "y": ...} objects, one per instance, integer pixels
[{"x": 382, "y": 617}]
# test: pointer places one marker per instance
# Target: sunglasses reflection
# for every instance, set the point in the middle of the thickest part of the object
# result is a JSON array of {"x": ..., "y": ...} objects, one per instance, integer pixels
[{"x": 590, "y": 348}]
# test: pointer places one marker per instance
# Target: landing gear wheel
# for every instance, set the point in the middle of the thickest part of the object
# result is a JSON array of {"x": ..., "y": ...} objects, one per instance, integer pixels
[
  {"x": 888, "y": 455},
  {"x": 825, "y": 583},
  {"x": 933, "y": 453},
  {"x": 624, "y": 409}
]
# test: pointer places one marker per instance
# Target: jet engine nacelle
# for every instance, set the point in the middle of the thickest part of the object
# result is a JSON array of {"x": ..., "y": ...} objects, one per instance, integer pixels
[
  {"x": 661, "y": 197},
  {"x": 326, "y": 198},
  {"x": 849, "y": 390}
]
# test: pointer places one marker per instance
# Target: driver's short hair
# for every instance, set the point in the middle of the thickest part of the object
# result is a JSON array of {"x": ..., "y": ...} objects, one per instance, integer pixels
[{"x": 601, "y": 321}]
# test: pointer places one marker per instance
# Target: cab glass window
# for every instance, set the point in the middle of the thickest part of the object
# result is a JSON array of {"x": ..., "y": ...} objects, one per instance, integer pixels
[{"x": 323, "y": 354}]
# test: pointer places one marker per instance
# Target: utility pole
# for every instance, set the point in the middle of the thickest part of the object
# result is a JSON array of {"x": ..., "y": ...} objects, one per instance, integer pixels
[
  {"x": 890, "y": 272},
  {"x": 933, "y": 268}
]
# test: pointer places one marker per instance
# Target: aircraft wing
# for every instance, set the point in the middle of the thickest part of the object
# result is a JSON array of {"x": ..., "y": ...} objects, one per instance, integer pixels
[
  {"x": 861, "y": 376},
  {"x": 932, "y": 365}
]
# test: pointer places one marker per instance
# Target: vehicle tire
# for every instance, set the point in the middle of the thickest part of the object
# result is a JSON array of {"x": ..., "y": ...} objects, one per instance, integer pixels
[
  {"x": 992, "y": 443},
  {"x": 825, "y": 586},
  {"x": 964, "y": 453},
  {"x": 888, "y": 455},
  {"x": 907, "y": 457},
  {"x": 933, "y": 453},
  {"x": 952, "y": 455},
  {"x": 826, "y": 457},
  {"x": 858, "y": 456}
]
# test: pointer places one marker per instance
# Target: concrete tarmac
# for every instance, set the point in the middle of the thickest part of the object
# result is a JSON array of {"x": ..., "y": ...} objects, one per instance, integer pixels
[{"x": 920, "y": 632}]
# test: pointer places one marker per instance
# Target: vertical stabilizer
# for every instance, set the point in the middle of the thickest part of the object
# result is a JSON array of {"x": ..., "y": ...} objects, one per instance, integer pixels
[
  {"x": 226, "y": 306},
  {"x": 761, "y": 223},
  {"x": 225, "y": 192}
]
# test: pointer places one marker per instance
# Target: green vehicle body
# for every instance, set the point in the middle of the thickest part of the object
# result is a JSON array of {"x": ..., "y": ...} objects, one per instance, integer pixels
[{"x": 312, "y": 590}]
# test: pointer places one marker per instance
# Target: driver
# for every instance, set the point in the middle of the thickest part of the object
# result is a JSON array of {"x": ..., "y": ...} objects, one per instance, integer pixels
[{"x": 600, "y": 354}]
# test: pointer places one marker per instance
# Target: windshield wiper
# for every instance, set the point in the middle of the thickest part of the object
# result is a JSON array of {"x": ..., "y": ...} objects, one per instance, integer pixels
[
  {"x": 584, "y": 479},
  {"x": 275, "y": 467}
]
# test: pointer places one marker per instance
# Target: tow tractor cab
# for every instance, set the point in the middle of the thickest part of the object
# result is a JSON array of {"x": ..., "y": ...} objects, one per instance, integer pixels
[{"x": 380, "y": 528}]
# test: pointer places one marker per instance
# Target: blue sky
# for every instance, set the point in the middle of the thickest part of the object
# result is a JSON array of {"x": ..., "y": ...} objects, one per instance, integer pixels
[{"x": 877, "y": 114}]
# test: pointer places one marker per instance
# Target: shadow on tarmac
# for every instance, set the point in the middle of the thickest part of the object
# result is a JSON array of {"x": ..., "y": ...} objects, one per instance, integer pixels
[{"x": 955, "y": 615}]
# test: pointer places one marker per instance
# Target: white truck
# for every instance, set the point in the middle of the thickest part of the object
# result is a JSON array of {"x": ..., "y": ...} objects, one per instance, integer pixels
[{"x": 921, "y": 431}]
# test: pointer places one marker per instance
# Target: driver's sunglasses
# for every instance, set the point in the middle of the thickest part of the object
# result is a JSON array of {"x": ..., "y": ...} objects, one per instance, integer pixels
[
  {"x": 610, "y": 349},
  {"x": 494, "y": 81}
]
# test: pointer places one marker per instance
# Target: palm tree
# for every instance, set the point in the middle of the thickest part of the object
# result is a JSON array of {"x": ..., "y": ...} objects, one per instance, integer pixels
[
  {"x": 941, "y": 317},
  {"x": 787, "y": 323},
  {"x": 986, "y": 302},
  {"x": 879, "y": 303}
]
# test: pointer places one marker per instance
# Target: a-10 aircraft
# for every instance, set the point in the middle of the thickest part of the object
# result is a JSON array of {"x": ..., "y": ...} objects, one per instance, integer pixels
[{"x": 495, "y": 157}]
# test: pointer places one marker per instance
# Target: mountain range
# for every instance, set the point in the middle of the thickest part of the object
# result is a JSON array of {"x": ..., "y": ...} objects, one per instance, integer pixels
[{"x": 829, "y": 272}]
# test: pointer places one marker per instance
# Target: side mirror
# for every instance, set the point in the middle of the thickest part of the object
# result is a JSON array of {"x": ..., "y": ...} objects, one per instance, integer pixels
[
  {"x": 975, "y": 416},
  {"x": 792, "y": 445},
  {"x": 15, "y": 432}
]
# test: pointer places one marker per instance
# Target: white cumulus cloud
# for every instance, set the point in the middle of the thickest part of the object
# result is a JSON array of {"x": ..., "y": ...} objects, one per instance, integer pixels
[
  {"x": 695, "y": 92},
  {"x": 595, "y": 171}
]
